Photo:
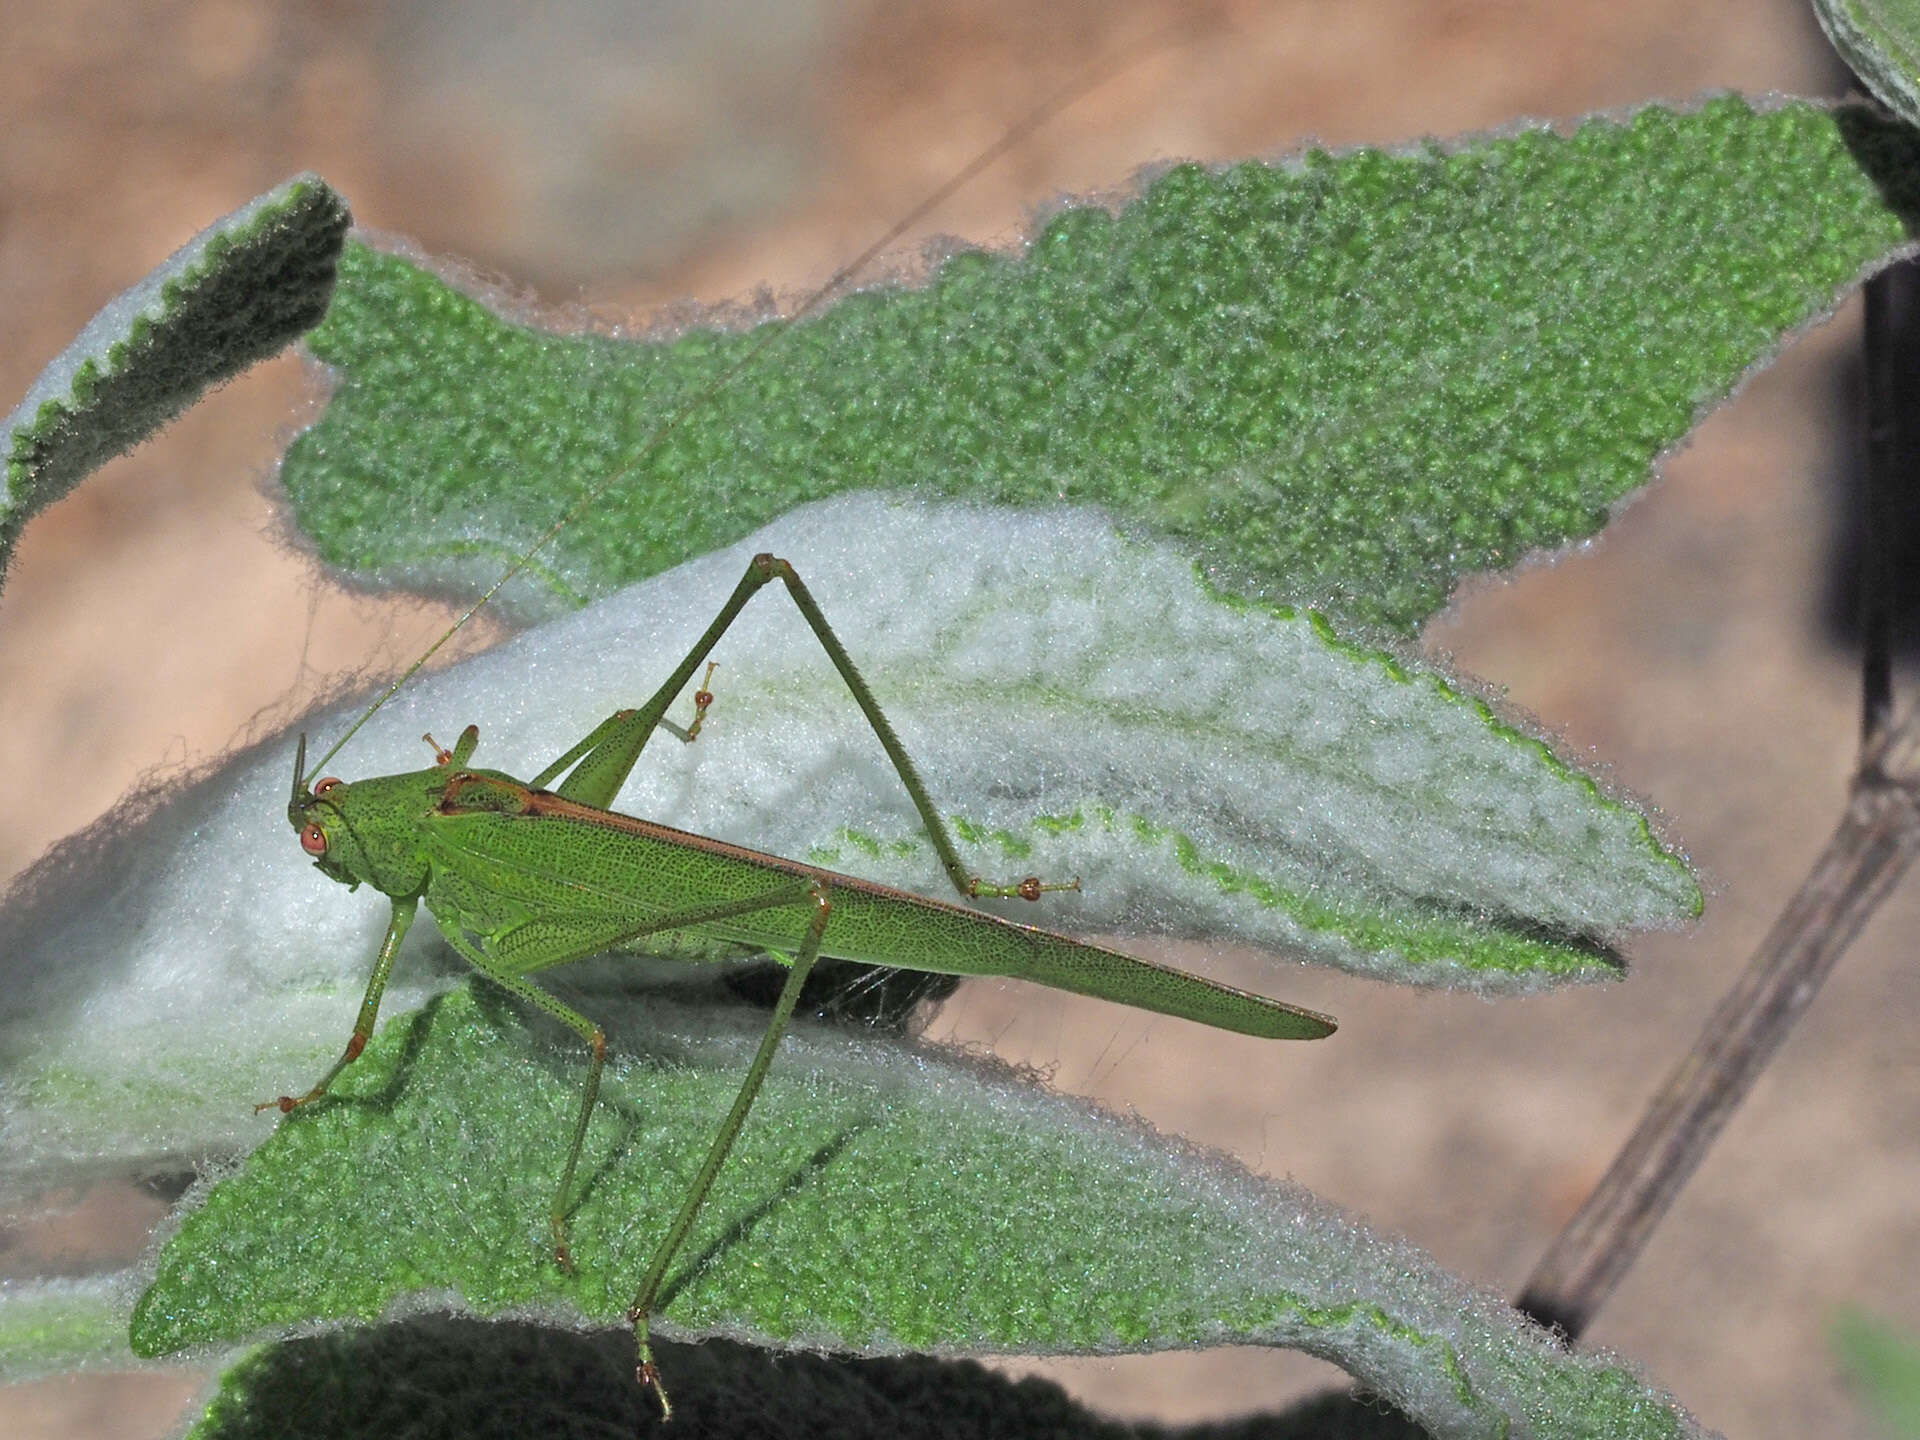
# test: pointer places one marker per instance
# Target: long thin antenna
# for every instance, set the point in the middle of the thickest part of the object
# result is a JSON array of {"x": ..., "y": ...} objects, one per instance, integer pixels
[{"x": 1086, "y": 80}]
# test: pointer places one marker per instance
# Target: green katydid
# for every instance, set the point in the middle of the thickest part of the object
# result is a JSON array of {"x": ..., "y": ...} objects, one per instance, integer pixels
[{"x": 520, "y": 878}]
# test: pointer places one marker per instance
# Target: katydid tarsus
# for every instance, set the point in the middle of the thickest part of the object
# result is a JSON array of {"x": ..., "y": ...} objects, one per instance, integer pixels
[{"x": 524, "y": 876}]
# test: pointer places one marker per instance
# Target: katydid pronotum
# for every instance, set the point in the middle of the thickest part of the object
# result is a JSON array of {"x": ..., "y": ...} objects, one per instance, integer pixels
[{"x": 482, "y": 850}]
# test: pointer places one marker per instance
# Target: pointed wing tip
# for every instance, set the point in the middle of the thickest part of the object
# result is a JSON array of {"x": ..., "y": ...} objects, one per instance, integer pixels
[{"x": 1298, "y": 1023}]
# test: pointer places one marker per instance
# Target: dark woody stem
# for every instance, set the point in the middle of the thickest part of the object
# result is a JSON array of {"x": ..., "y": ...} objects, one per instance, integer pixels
[{"x": 1875, "y": 842}]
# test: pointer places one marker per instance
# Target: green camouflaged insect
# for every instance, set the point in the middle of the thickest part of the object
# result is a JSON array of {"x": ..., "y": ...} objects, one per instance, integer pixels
[{"x": 520, "y": 877}]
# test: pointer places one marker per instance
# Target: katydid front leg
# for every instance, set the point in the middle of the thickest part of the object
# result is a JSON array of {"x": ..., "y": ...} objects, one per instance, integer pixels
[
  {"x": 403, "y": 913},
  {"x": 608, "y": 756},
  {"x": 404, "y": 909}
]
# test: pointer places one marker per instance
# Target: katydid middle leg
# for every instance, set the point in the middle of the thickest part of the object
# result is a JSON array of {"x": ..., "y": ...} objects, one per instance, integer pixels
[
  {"x": 598, "y": 778},
  {"x": 504, "y": 972},
  {"x": 608, "y": 756},
  {"x": 640, "y": 1313},
  {"x": 508, "y": 966}
]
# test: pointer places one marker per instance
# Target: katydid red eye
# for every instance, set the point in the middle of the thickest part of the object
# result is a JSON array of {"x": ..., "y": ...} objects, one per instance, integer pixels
[
  {"x": 330, "y": 783},
  {"x": 313, "y": 840}
]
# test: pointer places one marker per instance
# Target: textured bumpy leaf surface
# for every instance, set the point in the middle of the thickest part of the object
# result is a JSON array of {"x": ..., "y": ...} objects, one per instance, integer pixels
[
  {"x": 871, "y": 1206},
  {"x": 1343, "y": 381},
  {"x": 1208, "y": 770},
  {"x": 1880, "y": 39},
  {"x": 236, "y": 293}
]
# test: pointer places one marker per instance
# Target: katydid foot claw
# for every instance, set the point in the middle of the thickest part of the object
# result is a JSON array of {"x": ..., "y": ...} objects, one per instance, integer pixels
[
  {"x": 702, "y": 702},
  {"x": 1031, "y": 888},
  {"x": 648, "y": 1374},
  {"x": 287, "y": 1104}
]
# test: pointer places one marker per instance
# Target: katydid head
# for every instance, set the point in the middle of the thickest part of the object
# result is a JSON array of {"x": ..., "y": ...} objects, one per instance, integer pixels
[
  {"x": 367, "y": 831},
  {"x": 316, "y": 818}
]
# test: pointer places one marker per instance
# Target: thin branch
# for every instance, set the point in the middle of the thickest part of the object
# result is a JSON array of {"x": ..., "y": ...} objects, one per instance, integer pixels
[{"x": 1875, "y": 843}]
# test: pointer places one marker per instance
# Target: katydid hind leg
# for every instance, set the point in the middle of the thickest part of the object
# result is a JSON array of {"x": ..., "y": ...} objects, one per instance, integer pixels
[
  {"x": 613, "y": 749},
  {"x": 964, "y": 880},
  {"x": 608, "y": 756},
  {"x": 403, "y": 913},
  {"x": 809, "y": 951}
]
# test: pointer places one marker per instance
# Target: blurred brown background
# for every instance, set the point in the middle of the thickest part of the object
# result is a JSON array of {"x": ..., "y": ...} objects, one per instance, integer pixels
[{"x": 618, "y": 157}]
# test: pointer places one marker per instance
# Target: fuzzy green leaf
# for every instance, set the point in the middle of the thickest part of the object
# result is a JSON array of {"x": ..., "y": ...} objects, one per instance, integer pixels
[
  {"x": 1345, "y": 381},
  {"x": 879, "y": 1200},
  {"x": 1880, "y": 39},
  {"x": 57, "y": 1326},
  {"x": 234, "y": 294}
]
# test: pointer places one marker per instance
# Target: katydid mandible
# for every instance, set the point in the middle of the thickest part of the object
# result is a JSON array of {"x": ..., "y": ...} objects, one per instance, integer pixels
[{"x": 482, "y": 849}]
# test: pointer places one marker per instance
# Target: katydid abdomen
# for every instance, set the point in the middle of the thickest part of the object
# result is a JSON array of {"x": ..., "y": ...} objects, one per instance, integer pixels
[{"x": 497, "y": 843}]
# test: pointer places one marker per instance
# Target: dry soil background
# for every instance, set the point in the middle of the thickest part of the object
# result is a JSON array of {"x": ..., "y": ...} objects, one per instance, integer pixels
[{"x": 623, "y": 156}]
